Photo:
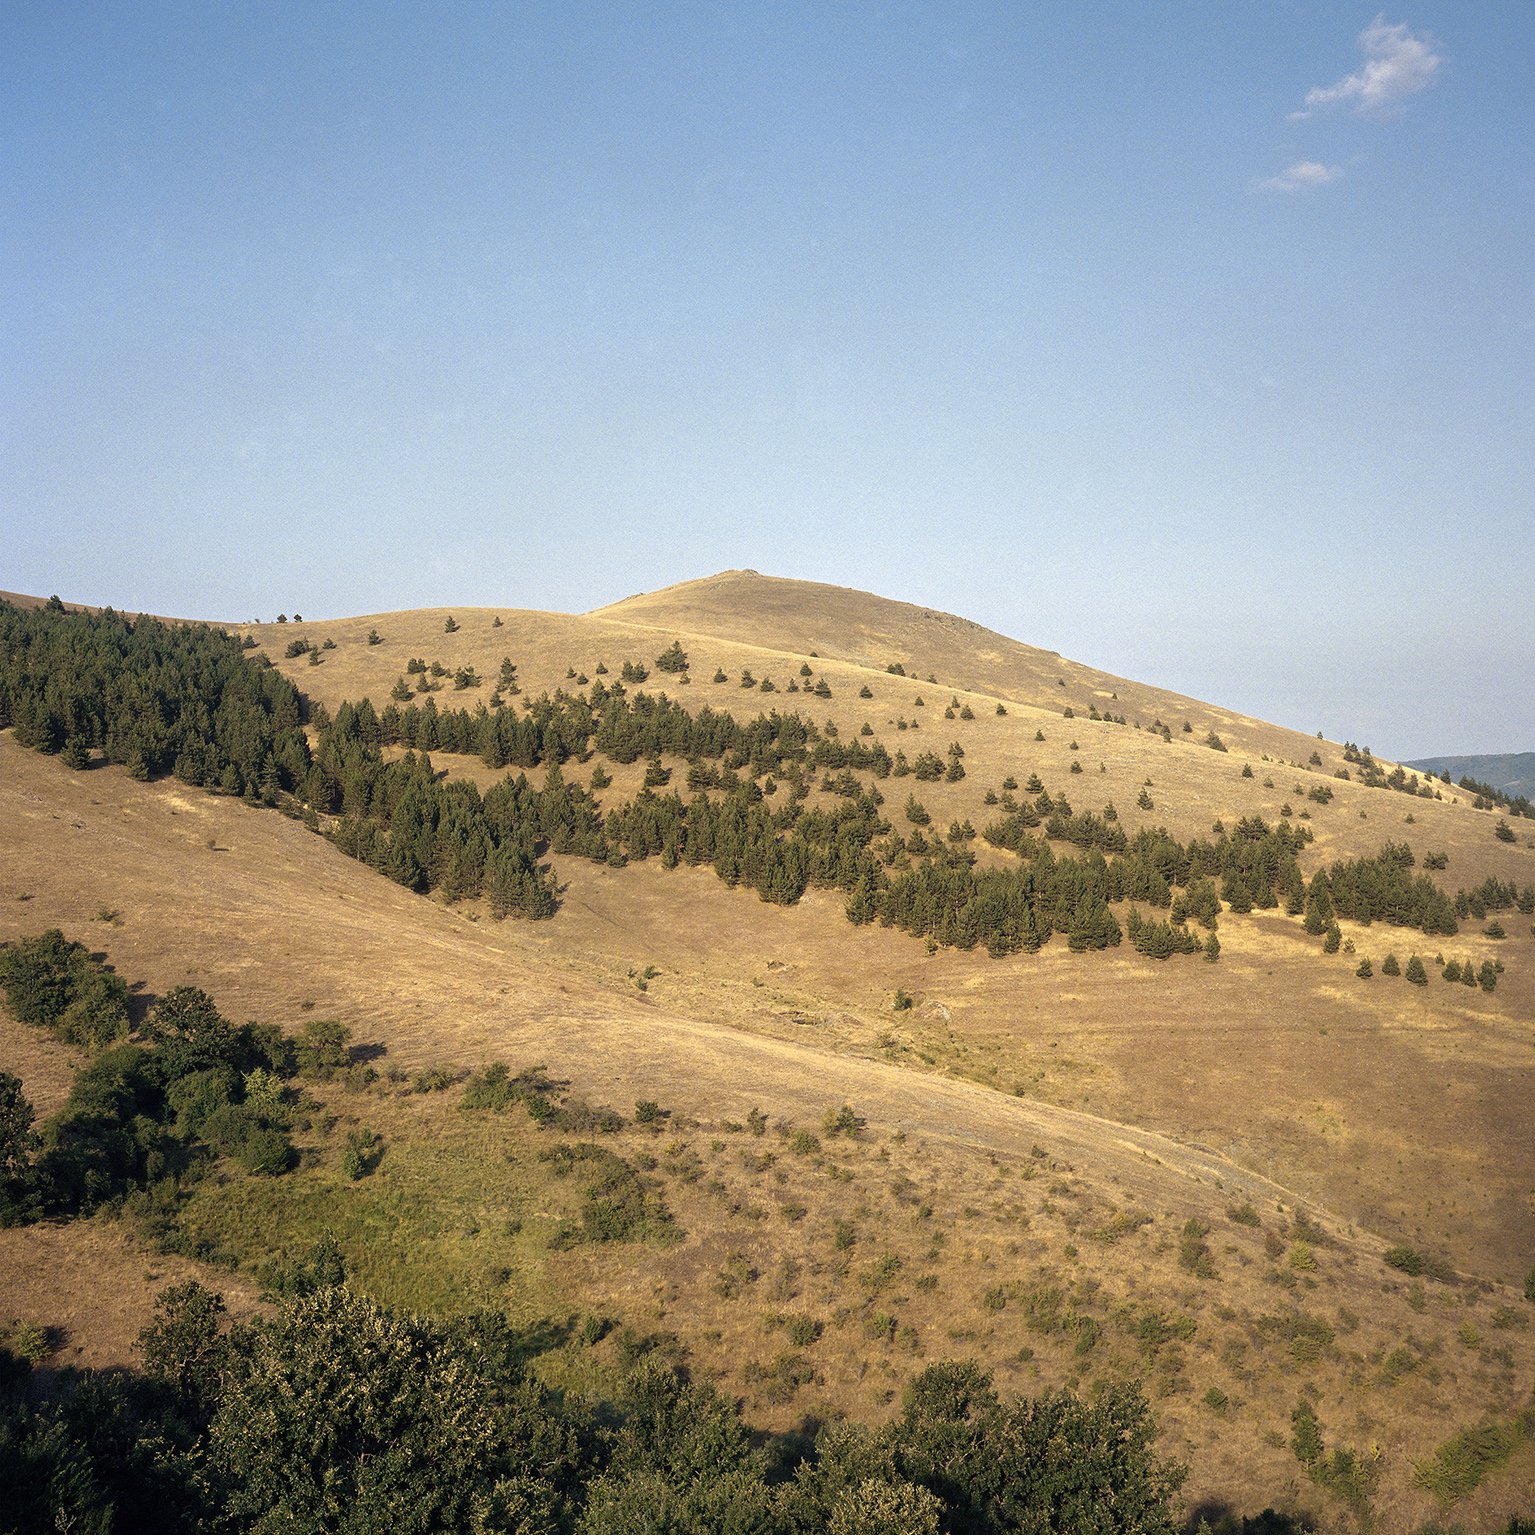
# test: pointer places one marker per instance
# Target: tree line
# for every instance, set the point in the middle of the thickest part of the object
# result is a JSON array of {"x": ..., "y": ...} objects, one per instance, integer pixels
[
  {"x": 155, "y": 698},
  {"x": 339, "y": 1414},
  {"x": 222, "y": 720}
]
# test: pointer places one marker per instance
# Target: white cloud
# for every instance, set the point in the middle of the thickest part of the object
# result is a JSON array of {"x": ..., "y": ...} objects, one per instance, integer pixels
[
  {"x": 1300, "y": 177},
  {"x": 1396, "y": 65}
]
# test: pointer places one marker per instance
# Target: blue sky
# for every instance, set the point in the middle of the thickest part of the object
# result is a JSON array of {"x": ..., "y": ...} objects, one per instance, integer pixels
[{"x": 1195, "y": 342}]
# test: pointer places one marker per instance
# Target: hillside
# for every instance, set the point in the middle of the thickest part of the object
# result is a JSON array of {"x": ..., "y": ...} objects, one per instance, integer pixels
[
  {"x": 1513, "y": 773},
  {"x": 1039, "y": 1129},
  {"x": 796, "y": 618}
]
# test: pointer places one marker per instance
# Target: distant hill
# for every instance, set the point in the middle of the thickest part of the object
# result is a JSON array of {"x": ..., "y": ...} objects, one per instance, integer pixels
[{"x": 1512, "y": 772}]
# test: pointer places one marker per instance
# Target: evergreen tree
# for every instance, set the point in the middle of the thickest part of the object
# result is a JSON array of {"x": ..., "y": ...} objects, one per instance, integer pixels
[
  {"x": 673, "y": 659},
  {"x": 1319, "y": 910},
  {"x": 18, "y": 1142}
]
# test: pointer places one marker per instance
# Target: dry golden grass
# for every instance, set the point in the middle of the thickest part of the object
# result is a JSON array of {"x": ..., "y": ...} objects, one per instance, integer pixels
[
  {"x": 1389, "y": 1113},
  {"x": 741, "y": 620},
  {"x": 789, "y": 1009},
  {"x": 94, "y": 1282}
]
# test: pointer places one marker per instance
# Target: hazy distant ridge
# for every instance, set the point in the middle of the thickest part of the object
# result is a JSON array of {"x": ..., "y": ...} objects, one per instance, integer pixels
[{"x": 1512, "y": 772}]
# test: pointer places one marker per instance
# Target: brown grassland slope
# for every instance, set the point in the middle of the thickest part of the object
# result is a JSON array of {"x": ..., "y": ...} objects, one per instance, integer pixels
[{"x": 1075, "y": 1167}]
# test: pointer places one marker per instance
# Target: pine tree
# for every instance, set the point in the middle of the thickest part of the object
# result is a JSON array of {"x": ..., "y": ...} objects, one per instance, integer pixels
[
  {"x": 1319, "y": 910},
  {"x": 1306, "y": 1435}
]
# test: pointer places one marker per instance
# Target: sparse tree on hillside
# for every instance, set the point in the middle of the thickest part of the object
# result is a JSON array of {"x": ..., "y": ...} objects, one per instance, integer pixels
[
  {"x": 1306, "y": 1435},
  {"x": 1415, "y": 972}
]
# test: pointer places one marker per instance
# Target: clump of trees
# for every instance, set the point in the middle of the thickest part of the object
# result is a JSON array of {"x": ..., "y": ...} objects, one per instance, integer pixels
[
  {"x": 51, "y": 982},
  {"x": 145, "y": 1115},
  {"x": 155, "y": 698},
  {"x": 1384, "y": 889},
  {"x": 337, "y": 1413}
]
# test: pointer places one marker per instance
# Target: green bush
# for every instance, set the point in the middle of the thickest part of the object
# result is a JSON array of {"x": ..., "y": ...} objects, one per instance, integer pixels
[
  {"x": 843, "y": 1121},
  {"x": 53, "y": 983},
  {"x": 1460, "y": 1464},
  {"x": 616, "y": 1204},
  {"x": 1193, "y": 1252},
  {"x": 435, "y": 1079},
  {"x": 1305, "y": 1434},
  {"x": 265, "y": 1151},
  {"x": 322, "y": 1048},
  {"x": 802, "y": 1331},
  {"x": 228, "y": 1126},
  {"x": 194, "y": 1099},
  {"x": 362, "y": 1153}
]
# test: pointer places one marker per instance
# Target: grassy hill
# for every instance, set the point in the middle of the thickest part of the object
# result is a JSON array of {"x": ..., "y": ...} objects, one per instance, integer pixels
[{"x": 1077, "y": 1167}]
